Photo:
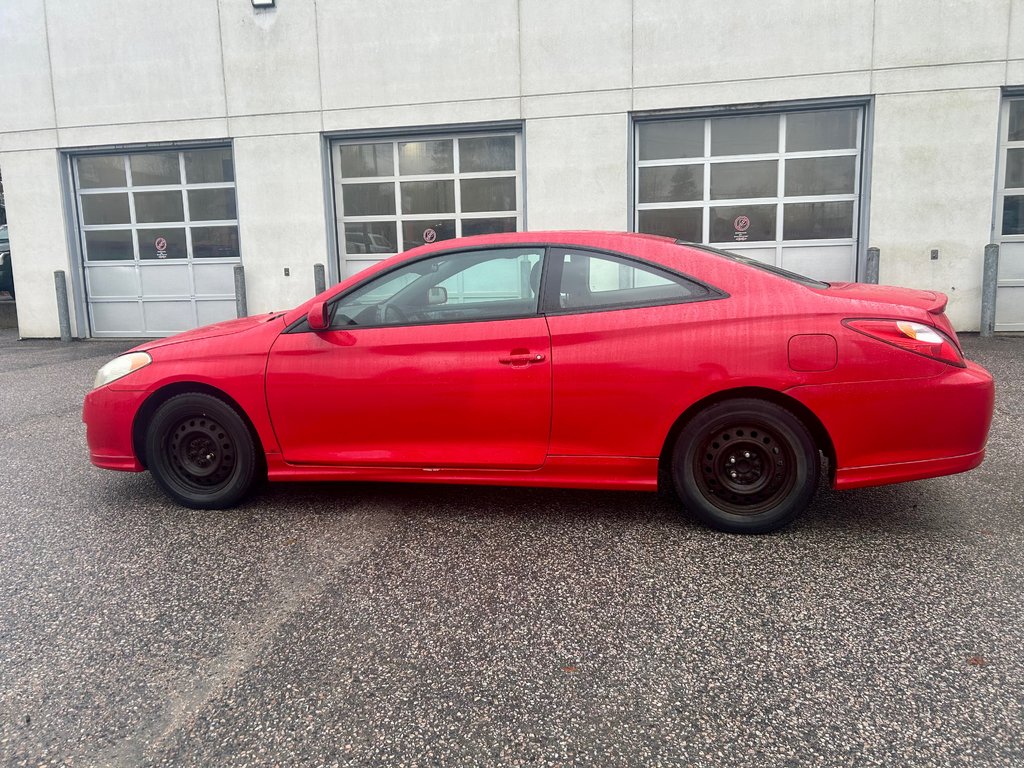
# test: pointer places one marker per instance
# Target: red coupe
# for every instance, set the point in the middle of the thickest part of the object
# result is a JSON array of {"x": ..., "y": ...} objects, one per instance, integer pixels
[{"x": 561, "y": 359}]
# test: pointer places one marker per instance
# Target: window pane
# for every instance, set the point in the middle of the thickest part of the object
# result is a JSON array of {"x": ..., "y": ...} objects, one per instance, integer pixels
[
  {"x": 428, "y": 196},
  {"x": 488, "y": 194},
  {"x": 680, "y": 138},
  {"x": 488, "y": 226},
  {"x": 497, "y": 279},
  {"x": 371, "y": 237},
  {"x": 487, "y": 153},
  {"x": 817, "y": 221},
  {"x": 101, "y": 171},
  {"x": 750, "y": 135},
  {"x": 209, "y": 166},
  {"x": 680, "y": 223},
  {"x": 162, "y": 244},
  {"x": 155, "y": 168},
  {"x": 1016, "y": 121},
  {"x": 159, "y": 206},
  {"x": 754, "y": 179},
  {"x": 366, "y": 160},
  {"x": 1013, "y": 215},
  {"x": 478, "y": 286},
  {"x": 215, "y": 242},
  {"x": 109, "y": 245},
  {"x": 1014, "y": 168},
  {"x": 368, "y": 199},
  {"x": 419, "y": 157},
  {"x": 599, "y": 282},
  {"x": 105, "y": 209},
  {"x": 834, "y": 129},
  {"x": 821, "y": 175},
  {"x": 671, "y": 183},
  {"x": 740, "y": 223},
  {"x": 211, "y": 204},
  {"x": 416, "y": 233}
]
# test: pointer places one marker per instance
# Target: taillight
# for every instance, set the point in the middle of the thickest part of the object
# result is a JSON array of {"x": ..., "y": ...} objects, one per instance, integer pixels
[{"x": 914, "y": 337}]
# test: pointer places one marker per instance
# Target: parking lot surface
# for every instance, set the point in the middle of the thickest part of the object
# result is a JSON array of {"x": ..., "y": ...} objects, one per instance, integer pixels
[{"x": 428, "y": 625}]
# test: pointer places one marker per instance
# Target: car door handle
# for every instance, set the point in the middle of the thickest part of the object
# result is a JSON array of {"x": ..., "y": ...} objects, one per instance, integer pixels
[{"x": 518, "y": 358}]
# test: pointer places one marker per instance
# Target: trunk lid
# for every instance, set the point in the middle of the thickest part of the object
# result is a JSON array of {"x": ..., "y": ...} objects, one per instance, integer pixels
[{"x": 932, "y": 302}]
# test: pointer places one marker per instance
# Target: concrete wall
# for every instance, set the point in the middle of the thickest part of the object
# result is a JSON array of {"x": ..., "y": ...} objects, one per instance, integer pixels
[{"x": 109, "y": 72}]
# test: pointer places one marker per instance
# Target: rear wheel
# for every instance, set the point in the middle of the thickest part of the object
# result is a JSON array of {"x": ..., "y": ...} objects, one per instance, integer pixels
[
  {"x": 745, "y": 466},
  {"x": 200, "y": 452}
]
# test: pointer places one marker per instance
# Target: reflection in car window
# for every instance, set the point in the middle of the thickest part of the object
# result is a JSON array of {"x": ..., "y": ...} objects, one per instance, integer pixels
[
  {"x": 600, "y": 281},
  {"x": 452, "y": 287}
]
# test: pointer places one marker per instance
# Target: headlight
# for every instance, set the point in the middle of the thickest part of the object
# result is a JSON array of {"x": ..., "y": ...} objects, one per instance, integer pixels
[{"x": 121, "y": 366}]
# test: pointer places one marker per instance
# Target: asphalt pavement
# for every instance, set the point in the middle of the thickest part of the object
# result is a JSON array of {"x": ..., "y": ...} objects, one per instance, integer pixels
[{"x": 426, "y": 625}]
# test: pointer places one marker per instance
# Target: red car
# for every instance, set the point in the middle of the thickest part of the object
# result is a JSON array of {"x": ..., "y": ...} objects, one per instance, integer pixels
[{"x": 560, "y": 359}]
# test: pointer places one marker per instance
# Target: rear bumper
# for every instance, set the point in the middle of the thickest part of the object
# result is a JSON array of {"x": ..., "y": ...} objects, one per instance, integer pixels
[
  {"x": 862, "y": 477},
  {"x": 892, "y": 431},
  {"x": 108, "y": 415}
]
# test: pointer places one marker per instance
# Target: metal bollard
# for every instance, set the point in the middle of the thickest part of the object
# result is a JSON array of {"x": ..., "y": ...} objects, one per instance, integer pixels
[
  {"x": 241, "y": 310},
  {"x": 989, "y": 281},
  {"x": 63, "y": 311},
  {"x": 871, "y": 267},
  {"x": 319, "y": 279}
]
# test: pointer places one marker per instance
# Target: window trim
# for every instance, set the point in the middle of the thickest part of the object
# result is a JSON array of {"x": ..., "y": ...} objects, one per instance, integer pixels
[
  {"x": 301, "y": 326},
  {"x": 548, "y": 285}
]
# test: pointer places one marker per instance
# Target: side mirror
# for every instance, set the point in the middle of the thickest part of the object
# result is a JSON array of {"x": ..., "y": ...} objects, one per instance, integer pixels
[
  {"x": 437, "y": 295},
  {"x": 317, "y": 316}
]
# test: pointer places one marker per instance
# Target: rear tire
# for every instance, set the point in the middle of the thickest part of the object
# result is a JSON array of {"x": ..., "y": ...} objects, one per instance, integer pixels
[
  {"x": 745, "y": 466},
  {"x": 200, "y": 452}
]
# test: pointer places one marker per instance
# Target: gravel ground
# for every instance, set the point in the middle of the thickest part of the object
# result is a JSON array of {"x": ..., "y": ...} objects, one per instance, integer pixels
[{"x": 416, "y": 625}]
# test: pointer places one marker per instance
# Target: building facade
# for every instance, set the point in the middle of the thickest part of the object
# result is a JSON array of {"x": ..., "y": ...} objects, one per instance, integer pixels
[{"x": 147, "y": 148}]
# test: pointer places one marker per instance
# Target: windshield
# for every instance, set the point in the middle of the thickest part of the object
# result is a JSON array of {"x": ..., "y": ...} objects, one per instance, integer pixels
[{"x": 777, "y": 271}]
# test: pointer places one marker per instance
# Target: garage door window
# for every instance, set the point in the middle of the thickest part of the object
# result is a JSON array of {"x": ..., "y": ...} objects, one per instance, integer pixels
[
  {"x": 782, "y": 187},
  {"x": 159, "y": 239},
  {"x": 394, "y": 195}
]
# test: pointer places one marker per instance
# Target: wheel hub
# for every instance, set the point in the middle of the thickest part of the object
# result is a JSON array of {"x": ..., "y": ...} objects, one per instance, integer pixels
[
  {"x": 744, "y": 468},
  {"x": 201, "y": 452}
]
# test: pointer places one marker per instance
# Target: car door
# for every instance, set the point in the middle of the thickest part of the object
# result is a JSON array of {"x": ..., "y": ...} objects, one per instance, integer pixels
[
  {"x": 441, "y": 362},
  {"x": 628, "y": 342}
]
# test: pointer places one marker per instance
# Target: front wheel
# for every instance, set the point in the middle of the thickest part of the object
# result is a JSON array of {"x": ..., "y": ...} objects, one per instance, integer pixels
[
  {"x": 745, "y": 466},
  {"x": 200, "y": 452}
]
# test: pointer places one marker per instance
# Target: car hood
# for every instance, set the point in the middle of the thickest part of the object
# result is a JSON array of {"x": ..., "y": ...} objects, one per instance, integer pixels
[{"x": 225, "y": 328}]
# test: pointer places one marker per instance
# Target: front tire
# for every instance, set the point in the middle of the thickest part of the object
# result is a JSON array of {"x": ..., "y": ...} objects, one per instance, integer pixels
[
  {"x": 745, "y": 466},
  {"x": 200, "y": 452}
]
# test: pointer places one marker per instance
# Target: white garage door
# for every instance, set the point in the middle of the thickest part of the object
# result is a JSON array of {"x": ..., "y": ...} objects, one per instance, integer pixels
[
  {"x": 1009, "y": 219},
  {"x": 783, "y": 188},
  {"x": 159, "y": 239}
]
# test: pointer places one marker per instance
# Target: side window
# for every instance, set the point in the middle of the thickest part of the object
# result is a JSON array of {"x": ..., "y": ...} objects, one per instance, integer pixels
[
  {"x": 600, "y": 281},
  {"x": 491, "y": 284}
]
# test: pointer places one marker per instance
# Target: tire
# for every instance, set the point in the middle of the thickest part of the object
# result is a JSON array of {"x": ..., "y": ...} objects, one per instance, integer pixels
[
  {"x": 720, "y": 466},
  {"x": 201, "y": 452}
]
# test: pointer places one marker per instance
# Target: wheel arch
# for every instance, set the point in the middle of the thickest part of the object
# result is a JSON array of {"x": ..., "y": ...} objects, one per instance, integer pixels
[
  {"x": 165, "y": 393},
  {"x": 820, "y": 435}
]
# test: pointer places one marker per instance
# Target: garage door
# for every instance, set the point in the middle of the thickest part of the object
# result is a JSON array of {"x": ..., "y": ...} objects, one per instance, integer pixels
[
  {"x": 1009, "y": 218},
  {"x": 783, "y": 188},
  {"x": 159, "y": 239}
]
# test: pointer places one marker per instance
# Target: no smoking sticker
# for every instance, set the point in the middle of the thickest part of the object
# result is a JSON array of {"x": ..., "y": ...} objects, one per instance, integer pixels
[
  {"x": 429, "y": 235},
  {"x": 740, "y": 226},
  {"x": 161, "y": 247}
]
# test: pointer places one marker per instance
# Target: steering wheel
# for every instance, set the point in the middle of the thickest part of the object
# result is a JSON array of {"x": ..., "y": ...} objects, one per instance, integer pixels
[{"x": 392, "y": 315}]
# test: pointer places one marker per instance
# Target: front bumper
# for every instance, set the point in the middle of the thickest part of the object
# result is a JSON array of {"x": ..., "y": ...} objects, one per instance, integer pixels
[
  {"x": 108, "y": 415},
  {"x": 892, "y": 431}
]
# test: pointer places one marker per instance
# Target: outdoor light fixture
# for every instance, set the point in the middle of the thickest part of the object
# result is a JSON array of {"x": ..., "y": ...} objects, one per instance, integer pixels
[{"x": 263, "y": 3}]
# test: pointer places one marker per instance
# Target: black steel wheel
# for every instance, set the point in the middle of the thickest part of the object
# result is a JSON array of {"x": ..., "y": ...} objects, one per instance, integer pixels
[
  {"x": 745, "y": 466},
  {"x": 201, "y": 452}
]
